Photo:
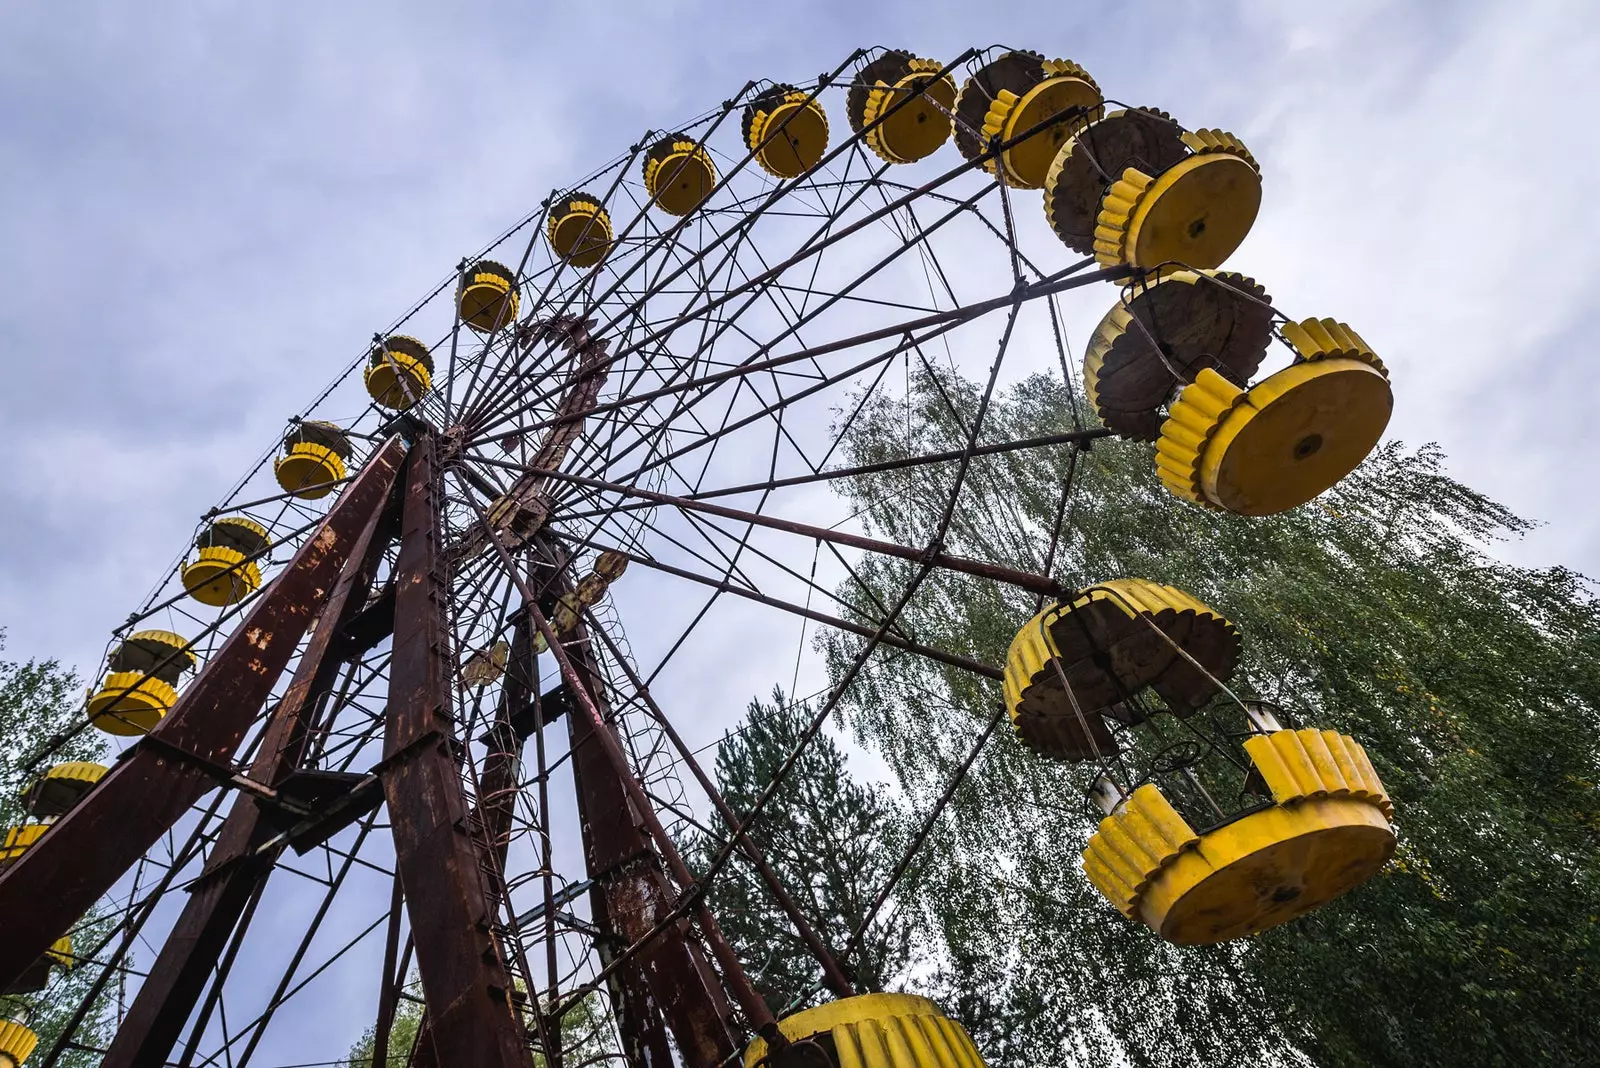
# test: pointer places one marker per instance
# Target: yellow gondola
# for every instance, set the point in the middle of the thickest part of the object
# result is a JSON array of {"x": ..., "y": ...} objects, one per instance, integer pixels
[
  {"x": 787, "y": 130},
  {"x": 314, "y": 455},
  {"x": 1325, "y": 831},
  {"x": 1094, "y": 157},
  {"x": 869, "y": 1031},
  {"x": 18, "y": 840},
  {"x": 485, "y": 665},
  {"x": 141, "y": 684},
  {"x": 579, "y": 230},
  {"x": 1319, "y": 826},
  {"x": 591, "y": 588},
  {"x": 1109, "y": 643},
  {"x": 225, "y": 572},
  {"x": 567, "y": 614},
  {"x": 62, "y": 786},
  {"x": 610, "y": 565},
  {"x": 487, "y": 296},
  {"x": 17, "y": 1043},
  {"x": 912, "y": 100},
  {"x": 1286, "y": 439},
  {"x": 678, "y": 174},
  {"x": 1014, "y": 93},
  {"x": 1194, "y": 213},
  {"x": 399, "y": 371},
  {"x": 1162, "y": 333}
]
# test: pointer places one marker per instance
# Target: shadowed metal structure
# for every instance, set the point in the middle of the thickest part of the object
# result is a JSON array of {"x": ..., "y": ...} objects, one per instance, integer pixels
[{"x": 386, "y": 736}]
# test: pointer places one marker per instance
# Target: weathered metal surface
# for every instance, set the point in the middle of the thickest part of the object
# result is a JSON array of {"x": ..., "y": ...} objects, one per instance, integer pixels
[
  {"x": 582, "y": 685},
  {"x": 632, "y": 893},
  {"x": 497, "y": 794},
  {"x": 79, "y": 858},
  {"x": 833, "y": 974},
  {"x": 236, "y": 868},
  {"x": 464, "y": 982},
  {"x": 640, "y": 1020}
]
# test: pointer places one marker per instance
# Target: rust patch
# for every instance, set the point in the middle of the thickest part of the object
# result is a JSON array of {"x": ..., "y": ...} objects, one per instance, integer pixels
[{"x": 258, "y": 637}]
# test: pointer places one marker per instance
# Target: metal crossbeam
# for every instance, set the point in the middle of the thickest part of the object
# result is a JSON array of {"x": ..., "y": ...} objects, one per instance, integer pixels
[{"x": 79, "y": 859}]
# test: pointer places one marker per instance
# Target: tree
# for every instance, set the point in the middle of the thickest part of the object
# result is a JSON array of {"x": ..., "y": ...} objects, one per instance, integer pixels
[
  {"x": 585, "y": 1035},
  {"x": 1376, "y": 610},
  {"x": 832, "y": 841},
  {"x": 402, "y": 1035},
  {"x": 39, "y": 700}
]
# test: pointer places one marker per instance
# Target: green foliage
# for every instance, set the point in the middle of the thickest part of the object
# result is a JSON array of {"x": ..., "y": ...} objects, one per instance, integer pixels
[
  {"x": 40, "y": 699},
  {"x": 1376, "y": 610},
  {"x": 402, "y": 1035},
  {"x": 585, "y": 1034},
  {"x": 832, "y": 842}
]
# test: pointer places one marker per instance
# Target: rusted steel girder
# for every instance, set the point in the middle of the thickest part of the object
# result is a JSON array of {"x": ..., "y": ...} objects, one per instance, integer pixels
[
  {"x": 833, "y": 975},
  {"x": 955, "y": 660},
  {"x": 757, "y": 1013},
  {"x": 56, "y": 881},
  {"x": 1027, "y": 580},
  {"x": 464, "y": 981},
  {"x": 631, "y": 889},
  {"x": 635, "y": 891},
  {"x": 236, "y": 869},
  {"x": 497, "y": 795}
]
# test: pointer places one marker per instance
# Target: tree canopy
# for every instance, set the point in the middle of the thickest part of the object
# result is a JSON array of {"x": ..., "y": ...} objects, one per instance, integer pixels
[
  {"x": 585, "y": 1035},
  {"x": 1378, "y": 610},
  {"x": 40, "y": 699}
]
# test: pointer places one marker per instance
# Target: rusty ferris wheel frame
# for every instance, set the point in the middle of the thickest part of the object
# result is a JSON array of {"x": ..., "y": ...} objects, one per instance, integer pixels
[{"x": 333, "y": 699}]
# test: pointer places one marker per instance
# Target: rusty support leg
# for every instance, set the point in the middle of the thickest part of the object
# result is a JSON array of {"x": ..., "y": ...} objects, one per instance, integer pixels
[
  {"x": 236, "y": 870},
  {"x": 631, "y": 893},
  {"x": 622, "y": 863},
  {"x": 497, "y": 795},
  {"x": 833, "y": 975},
  {"x": 670, "y": 976},
  {"x": 464, "y": 982},
  {"x": 755, "y": 1008},
  {"x": 640, "y": 1021},
  {"x": 56, "y": 881}
]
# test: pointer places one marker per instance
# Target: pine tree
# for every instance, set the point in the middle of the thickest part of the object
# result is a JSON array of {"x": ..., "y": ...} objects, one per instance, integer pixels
[
  {"x": 40, "y": 699},
  {"x": 1377, "y": 610},
  {"x": 831, "y": 840}
]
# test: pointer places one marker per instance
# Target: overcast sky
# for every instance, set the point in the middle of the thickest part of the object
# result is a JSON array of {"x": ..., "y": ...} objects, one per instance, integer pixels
[{"x": 206, "y": 210}]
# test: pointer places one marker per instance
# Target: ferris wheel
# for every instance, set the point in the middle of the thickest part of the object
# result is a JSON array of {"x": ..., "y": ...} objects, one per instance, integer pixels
[{"x": 415, "y": 696}]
